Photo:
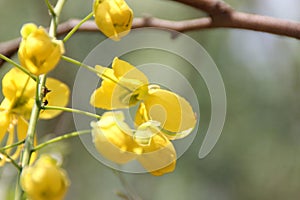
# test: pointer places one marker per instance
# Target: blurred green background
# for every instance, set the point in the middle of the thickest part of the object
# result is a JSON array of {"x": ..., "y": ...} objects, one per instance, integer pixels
[{"x": 257, "y": 156}]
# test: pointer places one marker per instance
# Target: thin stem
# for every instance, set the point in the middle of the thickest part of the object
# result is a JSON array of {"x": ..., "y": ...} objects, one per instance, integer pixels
[
  {"x": 13, "y": 162},
  {"x": 12, "y": 145},
  {"x": 60, "y": 138},
  {"x": 71, "y": 60},
  {"x": 71, "y": 110},
  {"x": 55, "y": 17},
  {"x": 50, "y": 7},
  {"x": 75, "y": 28},
  {"x": 29, "y": 141},
  {"x": 18, "y": 66}
]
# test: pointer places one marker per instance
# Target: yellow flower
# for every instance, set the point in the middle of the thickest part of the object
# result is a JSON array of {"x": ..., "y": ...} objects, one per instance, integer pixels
[
  {"x": 113, "y": 17},
  {"x": 19, "y": 96},
  {"x": 117, "y": 86},
  {"x": 124, "y": 86},
  {"x": 117, "y": 142},
  {"x": 113, "y": 139},
  {"x": 45, "y": 180},
  {"x": 38, "y": 52}
]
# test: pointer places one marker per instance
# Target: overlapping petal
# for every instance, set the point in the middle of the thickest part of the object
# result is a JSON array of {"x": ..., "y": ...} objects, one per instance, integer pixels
[
  {"x": 115, "y": 140},
  {"x": 171, "y": 110},
  {"x": 113, "y": 17},
  {"x": 38, "y": 52},
  {"x": 122, "y": 86},
  {"x": 44, "y": 180}
]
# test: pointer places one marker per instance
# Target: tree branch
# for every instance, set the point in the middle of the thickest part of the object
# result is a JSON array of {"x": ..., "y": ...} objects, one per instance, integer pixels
[{"x": 219, "y": 13}]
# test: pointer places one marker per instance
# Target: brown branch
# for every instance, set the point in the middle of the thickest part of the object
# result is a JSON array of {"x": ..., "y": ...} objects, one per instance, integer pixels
[{"x": 219, "y": 13}]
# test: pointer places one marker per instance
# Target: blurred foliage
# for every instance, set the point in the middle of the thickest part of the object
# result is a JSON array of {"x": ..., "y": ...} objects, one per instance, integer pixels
[{"x": 257, "y": 156}]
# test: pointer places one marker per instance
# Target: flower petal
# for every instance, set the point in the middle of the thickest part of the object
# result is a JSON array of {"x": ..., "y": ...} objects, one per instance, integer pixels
[
  {"x": 171, "y": 110},
  {"x": 159, "y": 157},
  {"x": 13, "y": 84},
  {"x": 5, "y": 119},
  {"x": 58, "y": 96},
  {"x": 114, "y": 93},
  {"x": 126, "y": 70},
  {"x": 112, "y": 138}
]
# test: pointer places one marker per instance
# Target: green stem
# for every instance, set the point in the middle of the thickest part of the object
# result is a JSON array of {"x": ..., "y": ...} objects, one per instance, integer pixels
[
  {"x": 60, "y": 138},
  {"x": 29, "y": 144},
  {"x": 18, "y": 66},
  {"x": 77, "y": 27},
  {"x": 12, "y": 145},
  {"x": 71, "y": 60},
  {"x": 29, "y": 141},
  {"x": 11, "y": 160},
  {"x": 50, "y": 7},
  {"x": 71, "y": 110},
  {"x": 55, "y": 17}
]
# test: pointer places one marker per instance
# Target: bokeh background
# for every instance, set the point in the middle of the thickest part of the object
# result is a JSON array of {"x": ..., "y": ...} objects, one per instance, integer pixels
[{"x": 257, "y": 156}]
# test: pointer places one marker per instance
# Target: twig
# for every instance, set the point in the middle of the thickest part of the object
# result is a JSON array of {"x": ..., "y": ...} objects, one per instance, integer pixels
[{"x": 220, "y": 15}]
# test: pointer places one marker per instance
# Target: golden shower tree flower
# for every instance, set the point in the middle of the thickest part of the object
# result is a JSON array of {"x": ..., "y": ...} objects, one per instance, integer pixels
[
  {"x": 118, "y": 143},
  {"x": 19, "y": 96},
  {"x": 124, "y": 86},
  {"x": 44, "y": 180},
  {"x": 38, "y": 52},
  {"x": 113, "y": 17}
]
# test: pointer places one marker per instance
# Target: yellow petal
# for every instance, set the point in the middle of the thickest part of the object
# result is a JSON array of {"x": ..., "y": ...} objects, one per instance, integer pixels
[
  {"x": 5, "y": 119},
  {"x": 159, "y": 157},
  {"x": 58, "y": 96},
  {"x": 44, "y": 180},
  {"x": 22, "y": 127},
  {"x": 13, "y": 84},
  {"x": 114, "y": 93},
  {"x": 171, "y": 110},
  {"x": 104, "y": 21},
  {"x": 113, "y": 17},
  {"x": 112, "y": 138},
  {"x": 38, "y": 52},
  {"x": 124, "y": 69},
  {"x": 27, "y": 29}
]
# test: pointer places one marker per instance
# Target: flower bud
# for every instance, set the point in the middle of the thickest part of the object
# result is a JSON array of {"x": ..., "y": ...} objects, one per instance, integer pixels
[
  {"x": 113, "y": 17},
  {"x": 45, "y": 180},
  {"x": 38, "y": 52}
]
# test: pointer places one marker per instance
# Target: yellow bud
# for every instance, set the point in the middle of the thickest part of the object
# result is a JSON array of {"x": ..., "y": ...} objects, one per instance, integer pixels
[
  {"x": 45, "y": 180},
  {"x": 38, "y": 52},
  {"x": 113, "y": 17}
]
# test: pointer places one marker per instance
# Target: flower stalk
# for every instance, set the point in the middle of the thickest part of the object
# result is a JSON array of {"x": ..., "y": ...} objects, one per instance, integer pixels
[{"x": 29, "y": 141}]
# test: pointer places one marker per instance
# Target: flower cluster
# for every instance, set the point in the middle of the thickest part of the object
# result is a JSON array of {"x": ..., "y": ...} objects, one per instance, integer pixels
[{"x": 161, "y": 116}]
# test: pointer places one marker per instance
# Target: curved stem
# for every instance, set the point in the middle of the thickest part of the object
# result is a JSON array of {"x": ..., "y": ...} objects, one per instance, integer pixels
[
  {"x": 18, "y": 66},
  {"x": 102, "y": 75},
  {"x": 13, "y": 162},
  {"x": 73, "y": 110},
  {"x": 60, "y": 138},
  {"x": 75, "y": 28},
  {"x": 12, "y": 145}
]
